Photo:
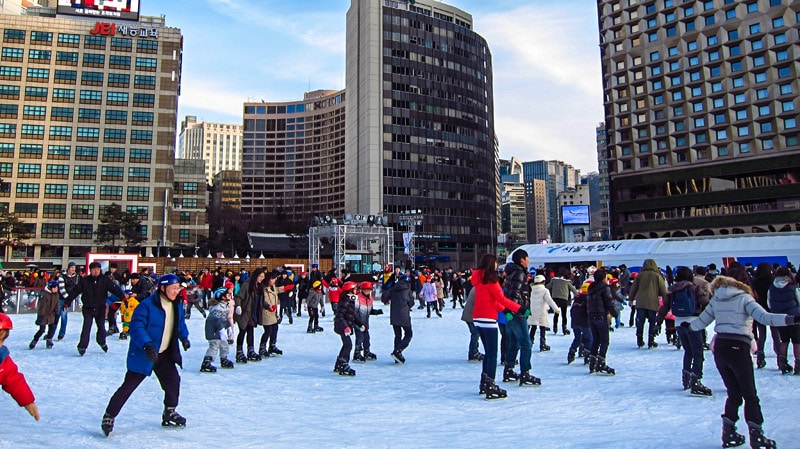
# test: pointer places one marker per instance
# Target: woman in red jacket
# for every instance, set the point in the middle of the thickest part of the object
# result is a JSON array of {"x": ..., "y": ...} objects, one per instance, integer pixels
[{"x": 489, "y": 300}]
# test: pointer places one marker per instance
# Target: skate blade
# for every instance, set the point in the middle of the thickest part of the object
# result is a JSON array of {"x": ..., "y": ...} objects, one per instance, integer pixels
[
  {"x": 494, "y": 398},
  {"x": 172, "y": 425}
]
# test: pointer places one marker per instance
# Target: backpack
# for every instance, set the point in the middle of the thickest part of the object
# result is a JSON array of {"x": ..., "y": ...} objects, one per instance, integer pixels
[{"x": 684, "y": 303}]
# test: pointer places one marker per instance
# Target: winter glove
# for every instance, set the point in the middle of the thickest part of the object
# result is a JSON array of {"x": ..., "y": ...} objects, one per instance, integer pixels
[
  {"x": 288, "y": 287},
  {"x": 151, "y": 353},
  {"x": 792, "y": 319},
  {"x": 230, "y": 341},
  {"x": 273, "y": 308},
  {"x": 238, "y": 310},
  {"x": 362, "y": 328},
  {"x": 347, "y": 331},
  {"x": 526, "y": 313},
  {"x": 509, "y": 316},
  {"x": 688, "y": 325},
  {"x": 186, "y": 344}
]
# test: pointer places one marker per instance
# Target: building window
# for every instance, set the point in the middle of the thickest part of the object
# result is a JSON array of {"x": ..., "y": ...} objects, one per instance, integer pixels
[
  {"x": 66, "y": 76},
  {"x": 790, "y": 123},
  {"x": 119, "y": 62},
  {"x": 114, "y": 135},
  {"x": 110, "y": 192},
  {"x": 39, "y": 55},
  {"x": 138, "y": 174},
  {"x": 743, "y": 131},
  {"x": 138, "y": 193},
  {"x": 80, "y": 231}
]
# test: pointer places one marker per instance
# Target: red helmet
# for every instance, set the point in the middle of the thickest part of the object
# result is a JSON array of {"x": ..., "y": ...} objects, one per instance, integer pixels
[
  {"x": 349, "y": 285},
  {"x": 366, "y": 285},
  {"x": 5, "y": 322},
  {"x": 228, "y": 284}
]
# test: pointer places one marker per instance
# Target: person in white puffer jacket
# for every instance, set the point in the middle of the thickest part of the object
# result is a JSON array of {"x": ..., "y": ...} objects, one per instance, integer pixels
[{"x": 540, "y": 300}]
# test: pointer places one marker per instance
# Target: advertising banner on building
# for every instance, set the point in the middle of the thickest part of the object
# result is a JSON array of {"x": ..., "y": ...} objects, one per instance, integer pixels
[
  {"x": 576, "y": 233},
  {"x": 407, "y": 236},
  {"x": 107, "y": 9}
]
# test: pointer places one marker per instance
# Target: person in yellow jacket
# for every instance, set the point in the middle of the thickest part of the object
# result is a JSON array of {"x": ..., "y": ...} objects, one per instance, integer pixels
[{"x": 126, "y": 311}]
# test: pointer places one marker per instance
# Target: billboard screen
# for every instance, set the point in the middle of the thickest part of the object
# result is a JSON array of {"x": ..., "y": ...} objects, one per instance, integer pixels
[
  {"x": 575, "y": 214},
  {"x": 100, "y": 9}
]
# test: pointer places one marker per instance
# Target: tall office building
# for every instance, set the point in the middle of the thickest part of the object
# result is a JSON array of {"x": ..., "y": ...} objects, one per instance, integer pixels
[
  {"x": 537, "y": 216},
  {"x": 603, "y": 221},
  {"x": 701, "y": 101},
  {"x": 420, "y": 132},
  {"x": 218, "y": 144},
  {"x": 558, "y": 177},
  {"x": 293, "y": 165},
  {"x": 87, "y": 118},
  {"x": 514, "y": 217}
]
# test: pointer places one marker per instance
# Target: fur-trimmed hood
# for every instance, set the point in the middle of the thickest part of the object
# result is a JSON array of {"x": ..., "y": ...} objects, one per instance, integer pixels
[{"x": 724, "y": 287}]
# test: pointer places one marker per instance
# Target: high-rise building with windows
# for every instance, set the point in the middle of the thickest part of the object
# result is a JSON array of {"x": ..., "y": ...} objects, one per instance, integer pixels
[
  {"x": 701, "y": 112},
  {"x": 218, "y": 144},
  {"x": 420, "y": 132},
  {"x": 602, "y": 223},
  {"x": 87, "y": 118},
  {"x": 293, "y": 165},
  {"x": 558, "y": 177}
]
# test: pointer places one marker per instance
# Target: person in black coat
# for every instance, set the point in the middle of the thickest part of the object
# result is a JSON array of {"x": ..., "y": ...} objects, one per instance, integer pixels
[
  {"x": 600, "y": 304},
  {"x": 402, "y": 299},
  {"x": 94, "y": 290},
  {"x": 344, "y": 323}
]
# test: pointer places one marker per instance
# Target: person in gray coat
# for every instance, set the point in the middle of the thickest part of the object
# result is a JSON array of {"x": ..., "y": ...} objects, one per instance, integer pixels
[
  {"x": 402, "y": 299},
  {"x": 466, "y": 316}
]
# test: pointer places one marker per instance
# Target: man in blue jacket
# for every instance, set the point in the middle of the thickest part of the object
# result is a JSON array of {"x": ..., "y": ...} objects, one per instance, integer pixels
[{"x": 156, "y": 327}]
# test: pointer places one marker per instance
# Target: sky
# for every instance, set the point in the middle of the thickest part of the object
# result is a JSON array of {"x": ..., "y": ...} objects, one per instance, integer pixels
[
  {"x": 296, "y": 401},
  {"x": 546, "y": 60}
]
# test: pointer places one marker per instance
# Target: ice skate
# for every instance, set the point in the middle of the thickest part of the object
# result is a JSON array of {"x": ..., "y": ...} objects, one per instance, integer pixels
[
  {"x": 652, "y": 344},
  {"x": 310, "y": 330},
  {"x": 226, "y": 363},
  {"x": 730, "y": 438},
  {"x": 601, "y": 367},
  {"x": 509, "y": 375},
  {"x": 493, "y": 391},
  {"x": 783, "y": 366},
  {"x": 686, "y": 379},
  {"x": 525, "y": 378},
  {"x": 544, "y": 348},
  {"x": 240, "y": 357},
  {"x": 171, "y": 418},
  {"x": 570, "y": 357},
  {"x": 207, "y": 367},
  {"x": 761, "y": 361},
  {"x": 698, "y": 389},
  {"x": 757, "y": 438},
  {"x": 33, "y": 343},
  {"x": 345, "y": 370},
  {"x": 477, "y": 357},
  {"x": 318, "y": 329},
  {"x": 590, "y": 360},
  {"x": 49, "y": 344},
  {"x": 398, "y": 357},
  {"x": 108, "y": 424},
  {"x": 123, "y": 336},
  {"x": 81, "y": 351},
  {"x": 359, "y": 357},
  {"x": 252, "y": 356},
  {"x": 273, "y": 350},
  {"x": 262, "y": 351},
  {"x": 370, "y": 355}
]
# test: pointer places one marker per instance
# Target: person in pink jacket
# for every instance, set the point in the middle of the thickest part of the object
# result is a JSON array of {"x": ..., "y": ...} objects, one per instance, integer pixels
[
  {"x": 429, "y": 295},
  {"x": 489, "y": 300}
]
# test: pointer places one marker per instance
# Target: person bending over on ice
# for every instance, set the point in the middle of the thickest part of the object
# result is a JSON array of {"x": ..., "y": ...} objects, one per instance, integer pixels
[{"x": 158, "y": 323}]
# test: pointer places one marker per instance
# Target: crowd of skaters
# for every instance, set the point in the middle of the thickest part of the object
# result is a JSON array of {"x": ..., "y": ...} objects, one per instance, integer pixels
[{"x": 511, "y": 301}]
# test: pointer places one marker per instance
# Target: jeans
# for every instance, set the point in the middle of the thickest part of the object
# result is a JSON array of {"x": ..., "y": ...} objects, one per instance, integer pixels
[
  {"x": 362, "y": 340},
  {"x": 735, "y": 366},
  {"x": 489, "y": 339},
  {"x": 583, "y": 338},
  {"x": 63, "y": 314},
  {"x": 650, "y": 316},
  {"x": 473, "y": 339},
  {"x": 167, "y": 376},
  {"x": 599, "y": 326},
  {"x": 96, "y": 315},
  {"x": 402, "y": 337},
  {"x": 692, "y": 342},
  {"x": 518, "y": 340}
]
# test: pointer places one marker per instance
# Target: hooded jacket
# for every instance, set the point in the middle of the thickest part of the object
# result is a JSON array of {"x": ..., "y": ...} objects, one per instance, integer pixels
[
  {"x": 489, "y": 300},
  {"x": 540, "y": 300},
  {"x": 700, "y": 296},
  {"x": 734, "y": 308},
  {"x": 648, "y": 286},
  {"x": 402, "y": 299},
  {"x": 783, "y": 296},
  {"x": 147, "y": 328},
  {"x": 13, "y": 381},
  {"x": 599, "y": 301},
  {"x": 516, "y": 287}
]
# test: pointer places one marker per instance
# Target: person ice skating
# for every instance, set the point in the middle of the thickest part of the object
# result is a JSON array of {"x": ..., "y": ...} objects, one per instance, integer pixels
[
  {"x": 47, "y": 315},
  {"x": 219, "y": 330},
  {"x": 683, "y": 290},
  {"x": 363, "y": 306},
  {"x": 285, "y": 295},
  {"x": 12, "y": 381},
  {"x": 94, "y": 289},
  {"x": 562, "y": 291},
  {"x": 428, "y": 294},
  {"x": 66, "y": 281},
  {"x": 733, "y": 308},
  {"x": 599, "y": 305},
  {"x": 344, "y": 323},
  {"x": 157, "y": 325},
  {"x": 313, "y": 302},
  {"x": 126, "y": 312},
  {"x": 582, "y": 331},
  {"x": 539, "y": 320},
  {"x": 761, "y": 282},
  {"x": 303, "y": 287},
  {"x": 516, "y": 289},
  {"x": 489, "y": 301},
  {"x": 402, "y": 299},
  {"x": 473, "y": 355},
  {"x": 783, "y": 296},
  {"x": 269, "y": 316},
  {"x": 247, "y": 315},
  {"x": 646, "y": 289}
]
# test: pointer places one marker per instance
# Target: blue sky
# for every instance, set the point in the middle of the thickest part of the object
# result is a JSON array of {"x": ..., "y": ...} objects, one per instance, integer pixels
[{"x": 547, "y": 82}]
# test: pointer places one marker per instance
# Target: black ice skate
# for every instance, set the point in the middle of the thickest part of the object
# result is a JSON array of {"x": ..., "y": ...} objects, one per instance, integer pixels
[
  {"x": 240, "y": 357},
  {"x": 398, "y": 357},
  {"x": 207, "y": 367},
  {"x": 370, "y": 355},
  {"x": 262, "y": 351},
  {"x": 544, "y": 348},
  {"x": 345, "y": 370},
  {"x": 33, "y": 344},
  {"x": 492, "y": 390},
  {"x": 525, "y": 378},
  {"x": 783, "y": 365},
  {"x": 273, "y": 350},
  {"x": 570, "y": 357},
  {"x": 697, "y": 387},
  {"x": 49, "y": 344},
  {"x": 108, "y": 424},
  {"x": 252, "y": 356},
  {"x": 318, "y": 329},
  {"x": 310, "y": 330},
  {"x": 761, "y": 361},
  {"x": 123, "y": 336},
  {"x": 171, "y": 418},
  {"x": 730, "y": 437},
  {"x": 600, "y": 366},
  {"x": 757, "y": 438},
  {"x": 226, "y": 363},
  {"x": 686, "y": 379},
  {"x": 590, "y": 360},
  {"x": 359, "y": 357},
  {"x": 509, "y": 375}
]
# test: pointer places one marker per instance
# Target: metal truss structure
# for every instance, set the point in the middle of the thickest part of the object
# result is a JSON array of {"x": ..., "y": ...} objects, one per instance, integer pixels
[{"x": 361, "y": 239}]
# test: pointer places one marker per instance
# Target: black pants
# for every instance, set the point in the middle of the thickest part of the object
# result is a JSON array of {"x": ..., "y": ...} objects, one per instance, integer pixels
[
  {"x": 503, "y": 343},
  {"x": 245, "y": 331},
  {"x": 196, "y": 305},
  {"x": 735, "y": 366},
  {"x": 402, "y": 337},
  {"x": 96, "y": 314},
  {"x": 347, "y": 347},
  {"x": 643, "y": 315},
  {"x": 313, "y": 318},
  {"x": 167, "y": 375},
  {"x": 599, "y": 326},
  {"x": 760, "y": 332},
  {"x": 51, "y": 330},
  {"x": 562, "y": 304},
  {"x": 111, "y": 316},
  {"x": 633, "y": 316},
  {"x": 435, "y": 306},
  {"x": 270, "y": 334}
]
